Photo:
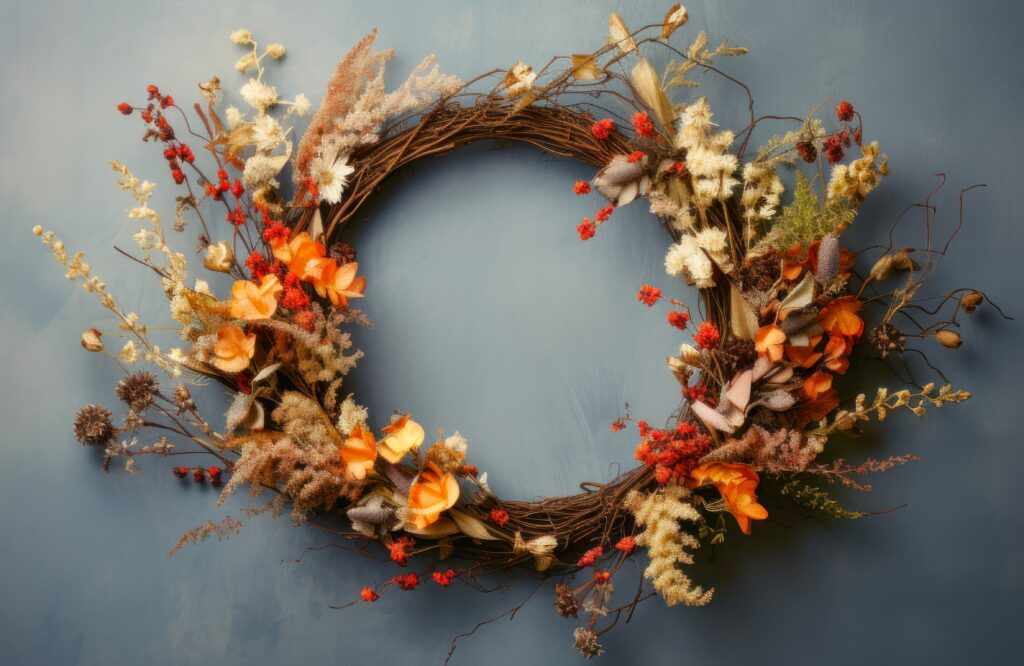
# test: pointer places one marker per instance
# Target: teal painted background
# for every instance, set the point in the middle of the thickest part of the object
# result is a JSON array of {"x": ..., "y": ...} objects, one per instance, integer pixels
[{"x": 492, "y": 318}]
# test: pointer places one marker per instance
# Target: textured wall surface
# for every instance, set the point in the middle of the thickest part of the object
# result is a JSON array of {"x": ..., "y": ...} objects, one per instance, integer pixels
[{"x": 493, "y": 319}]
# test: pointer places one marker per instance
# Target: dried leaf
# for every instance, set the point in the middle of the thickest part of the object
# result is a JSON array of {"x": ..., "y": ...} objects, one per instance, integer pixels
[
  {"x": 471, "y": 525},
  {"x": 798, "y": 297},
  {"x": 618, "y": 34},
  {"x": 744, "y": 319},
  {"x": 647, "y": 84},
  {"x": 585, "y": 67},
  {"x": 265, "y": 372},
  {"x": 440, "y": 528},
  {"x": 711, "y": 418},
  {"x": 674, "y": 19}
]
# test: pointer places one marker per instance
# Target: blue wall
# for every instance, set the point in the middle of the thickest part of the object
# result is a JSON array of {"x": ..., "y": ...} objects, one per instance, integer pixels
[{"x": 492, "y": 318}]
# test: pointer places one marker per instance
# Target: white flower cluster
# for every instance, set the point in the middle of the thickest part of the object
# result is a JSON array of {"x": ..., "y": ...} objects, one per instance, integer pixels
[{"x": 687, "y": 258}]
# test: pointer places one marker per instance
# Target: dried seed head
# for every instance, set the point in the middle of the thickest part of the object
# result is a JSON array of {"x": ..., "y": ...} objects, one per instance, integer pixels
[
  {"x": 93, "y": 425},
  {"x": 691, "y": 355},
  {"x": 137, "y": 390},
  {"x": 886, "y": 338},
  {"x": 586, "y": 643},
  {"x": 888, "y": 264},
  {"x": 183, "y": 398},
  {"x": 950, "y": 339},
  {"x": 566, "y": 603},
  {"x": 91, "y": 340},
  {"x": 970, "y": 302}
]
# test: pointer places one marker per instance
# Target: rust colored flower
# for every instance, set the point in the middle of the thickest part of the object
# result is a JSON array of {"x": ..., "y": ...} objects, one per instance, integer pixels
[
  {"x": 368, "y": 594},
  {"x": 590, "y": 557},
  {"x": 233, "y": 349},
  {"x": 444, "y": 578},
  {"x": 737, "y": 484},
  {"x": 678, "y": 319},
  {"x": 358, "y": 453},
  {"x": 769, "y": 342},
  {"x": 402, "y": 435},
  {"x": 817, "y": 409},
  {"x": 581, "y": 187},
  {"x": 816, "y": 384},
  {"x": 642, "y": 124},
  {"x": 499, "y": 517},
  {"x": 586, "y": 229},
  {"x": 839, "y": 317},
  {"x": 844, "y": 111},
  {"x": 432, "y": 493},
  {"x": 251, "y": 301}
]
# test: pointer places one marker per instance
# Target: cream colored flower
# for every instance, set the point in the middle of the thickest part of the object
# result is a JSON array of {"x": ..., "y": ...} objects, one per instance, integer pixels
[
  {"x": 276, "y": 51},
  {"x": 331, "y": 177},
  {"x": 301, "y": 105},
  {"x": 246, "y": 62},
  {"x": 241, "y": 36},
  {"x": 519, "y": 79},
  {"x": 219, "y": 257},
  {"x": 267, "y": 133},
  {"x": 233, "y": 116},
  {"x": 259, "y": 95},
  {"x": 402, "y": 435},
  {"x": 129, "y": 354}
]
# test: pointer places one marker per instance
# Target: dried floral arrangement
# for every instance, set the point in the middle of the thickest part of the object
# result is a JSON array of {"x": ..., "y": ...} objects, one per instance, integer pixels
[{"x": 781, "y": 314}]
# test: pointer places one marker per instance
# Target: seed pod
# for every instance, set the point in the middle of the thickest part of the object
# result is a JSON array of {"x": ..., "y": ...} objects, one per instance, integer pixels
[
  {"x": 888, "y": 264},
  {"x": 970, "y": 302},
  {"x": 91, "y": 340},
  {"x": 828, "y": 259},
  {"x": 950, "y": 339},
  {"x": 691, "y": 355}
]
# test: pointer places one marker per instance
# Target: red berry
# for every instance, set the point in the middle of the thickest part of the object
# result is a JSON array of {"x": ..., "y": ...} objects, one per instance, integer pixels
[
  {"x": 222, "y": 174},
  {"x": 626, "y": 544},
  {"x": 603, "y": 129},
  {"x": 642, "y": 124},
  {"x": 707, "y": 336},
  {"x": 153, "y": 91},
  {"x": 590, "y": 556},
  {"x": 648, "y": 295},
  {"x": 678, "y": 319},
  {"x": 198, "y": 476},
  {"x": 178, "y": 176},
  {"x": 214, "y": 473},
  {"x": 586, "y": 229},
  {"x": 166, "y": 102},
  {"x": 499, "y": 517},
  {"x": 581, "y": 187},
  {"x": 237, "y": 188},
  {"x": 125, "y": 108},
  {"x": 368, "y": 594},
  {"x": 604, "y": 214},
  {"x": 636, "y": 156},
  {"x": 180, "y": 472}
]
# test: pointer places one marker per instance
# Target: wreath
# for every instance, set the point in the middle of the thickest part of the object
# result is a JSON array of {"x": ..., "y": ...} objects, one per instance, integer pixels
[{"x": 782, "y": 313}]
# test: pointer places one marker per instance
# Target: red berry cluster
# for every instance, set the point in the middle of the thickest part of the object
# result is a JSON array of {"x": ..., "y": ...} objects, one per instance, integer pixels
[
  {"x": 407, "y": 581},
  {"x": 590, "y": 557},
  {"x": 158, "y": 127},
  {"x": 603, "y": 129},
  {"x": 642, "y": 124},
  {"x": 499, "y": 517},
  {"x": 369, "y": 594},
  {"x": 581, "y": 187},
  {"x": 678, "y": 319},
  {"x": 199, "y": 474},
  {"x": 648, "y": 295},
  {"x": 399, "y": 550},
  {"x": 707, "y": 336},
  {"x": 672, "y": 453},
  {"x": 444, "y": 578},
  {"x": 626, "y": 544},
  {"x": 586, "y": 229},
  {"x": 636, "y": 156}
]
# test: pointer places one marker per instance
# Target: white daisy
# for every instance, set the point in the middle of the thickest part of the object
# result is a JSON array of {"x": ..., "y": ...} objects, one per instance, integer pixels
[{"x": 331, "y": 177}]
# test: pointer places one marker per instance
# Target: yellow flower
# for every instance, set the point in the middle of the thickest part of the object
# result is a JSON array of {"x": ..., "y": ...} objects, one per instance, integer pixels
[
  {"x": 402, "y": 435},
  {"x": 249, "y": 301},
  {"x": 233, "y": 349},
  {"x": 358, "y": 453},
  {"x": 339, "y": 283},
  {"x": 432, "y": 493},
  {"x": 736, "y": 483}
]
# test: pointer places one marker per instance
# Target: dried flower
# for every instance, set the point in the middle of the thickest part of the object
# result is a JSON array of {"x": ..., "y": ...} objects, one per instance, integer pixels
[
  {"x": 586, "y": 643},
  {"x": 499, "y": 517},
  {"x": 566, "y": 603},
  {"x": 648, "y": 295},
  {"x": 137, "y": 390},
  {"x": 707, "y": 336},
  {"x": 368, "y": 594},
  {"x": 603, "y": 129},
  {"x": 358, "y": 453},
  {"x": 402, "y": 435},
  {"x": 444, "y": 578},
  {"x": 844, "y": 111},
  {"x": 581, "y": 187},
  {"x": 183, "y": 398},
  {"x": 678, "y": 319},
  {"x": 586, "y": 229},
  {"x": 93, "y": 425},
  {"x": 254, "y": 302},
  {"x": 626, "y": 544},
  {"x": 219, "y": 257},
  {"x": 233, "y": 349},
  {"x": 331, "y": 177},
  {"x": 642, "y": 124},
  {"x": 92, "y": 340},
  {"x": 432, "y": 493},
  {"x": 969, "y": 302},
  {"x": 737, "y": 484},
  {"x": 590, "y": 557}
]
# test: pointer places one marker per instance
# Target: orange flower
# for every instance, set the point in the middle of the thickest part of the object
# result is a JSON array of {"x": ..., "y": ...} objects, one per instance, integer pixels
[
  {"x": 339, "y": 283},
  {"x": 836, "y": 352},
  {"x": 805, "y": 357},
  {"x": 358, "y": 453},
  {"x": 839, "y": 317},
  {"x": 402, "y": 435},
  {"x": 817, "y": 409},
  {"x": 737, "y": 484},
  {"x": 308, "y": 259},
  {"x": 433, "y": 491},
  {"x": 249, "y": 301},
  {"x": 817, "y": 384},
  {"x": 769, "y": 342},
  {"x": 233, "y": 349}
]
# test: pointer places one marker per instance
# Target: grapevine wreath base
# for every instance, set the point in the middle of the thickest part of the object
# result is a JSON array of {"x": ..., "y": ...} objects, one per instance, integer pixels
[{"x": 782, "y": 312}]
